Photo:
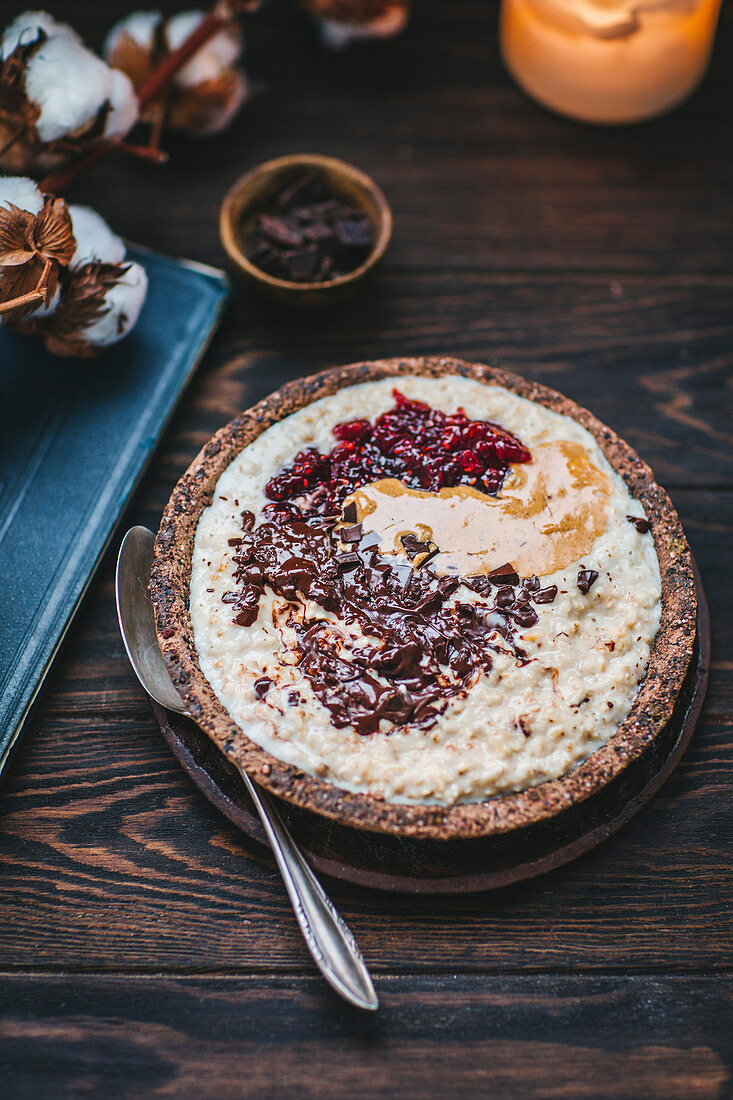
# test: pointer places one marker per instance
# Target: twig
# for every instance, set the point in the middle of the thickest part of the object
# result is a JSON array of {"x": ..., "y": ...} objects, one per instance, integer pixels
[
  {"x": 40, "y": 294},
  {"x": 13, "y": 138},
  {"x": 144, "y": 152},
  {"x": 159, "y": 110},
  {"x": 211, "y": 24},
  {"x": 58, "y": 181},
  {"x": 158, "y": 81}
]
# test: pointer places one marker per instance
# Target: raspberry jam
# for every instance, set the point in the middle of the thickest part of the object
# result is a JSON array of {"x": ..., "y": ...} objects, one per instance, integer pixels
[
  {"x": 420, "y": 446},
  {"x": 420, "y": 645}
]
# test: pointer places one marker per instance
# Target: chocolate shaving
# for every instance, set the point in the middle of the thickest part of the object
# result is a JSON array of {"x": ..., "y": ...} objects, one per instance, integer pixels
[
  {"x": 414, "y": 546},
  {"x": 348, "y": 561}
]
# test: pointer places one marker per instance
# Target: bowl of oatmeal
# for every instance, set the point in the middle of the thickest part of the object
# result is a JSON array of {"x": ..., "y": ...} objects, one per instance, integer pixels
[{"x": 426, "y": 598}]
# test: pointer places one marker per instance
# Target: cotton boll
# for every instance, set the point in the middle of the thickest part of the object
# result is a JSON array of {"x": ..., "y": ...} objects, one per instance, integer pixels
[
  {"x": 24, "y": 30},
  {"x": 212, "y": 59},
  {"x": 53, "y": 90},
  {"x": 100, "y": 304},
  {"x": 122, "y": 305},
  {"x": 36, "y": 244},
  {"x": 206, "y": 93},
  {"x": 21, "y": 192},
  {"x": 140, "y": 26},
  {"x": 342, "y": 22},
  {"x": 131, "y": 43},
  {"x": 68, "y": 84},
  {"x": 208, "y": 108},
  {"x": 94, "y": 238},
  {"x": 123, "y": 113}
]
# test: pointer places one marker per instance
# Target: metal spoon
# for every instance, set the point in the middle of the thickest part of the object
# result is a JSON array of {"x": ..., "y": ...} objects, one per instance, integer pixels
[{"x": 329, "y": 940}]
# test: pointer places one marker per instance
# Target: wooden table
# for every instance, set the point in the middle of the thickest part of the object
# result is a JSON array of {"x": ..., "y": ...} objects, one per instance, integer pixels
[{"x": 147, "y": 950}]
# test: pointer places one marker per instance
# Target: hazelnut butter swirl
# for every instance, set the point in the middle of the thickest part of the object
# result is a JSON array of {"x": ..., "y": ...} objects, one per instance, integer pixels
[
  {"x": 429, "y": 606},
  {"x": 547, "y": 514}
]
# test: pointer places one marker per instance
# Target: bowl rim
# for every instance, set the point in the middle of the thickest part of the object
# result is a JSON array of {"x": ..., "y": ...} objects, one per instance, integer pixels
[
  {"x": 651, "y": 708},
  {"x": 229, "y": 238}
]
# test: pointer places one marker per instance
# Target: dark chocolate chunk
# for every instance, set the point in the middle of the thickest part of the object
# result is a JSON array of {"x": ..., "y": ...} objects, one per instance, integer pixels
[
  {"x": 420, "y": 644},
  {"x": 304, "y": 189},
  {"x": 309, "y": 235},
  {"x": 525, "y": 616},
  {"x": 348, "y": 561},
  {"x": 262, "y": 686},
  {"x": 503, "y": 574},
  {"x": 586, "y": 579},
  {"x": 350, "y": 534},
  {"x": 642, "y": 525},
  {"x": 414, "y": 546},
  {"x": 354, "y": 232},
  {"x": 279, "y": 231},
  {"x": 504, "y": 597},
  {"x": 545, "y": 595}
]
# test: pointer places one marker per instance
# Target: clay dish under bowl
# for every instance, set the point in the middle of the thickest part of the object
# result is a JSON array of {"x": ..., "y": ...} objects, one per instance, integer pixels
[
  {"x": 637, "y": 739},
  {"x": 254, "y": 193}
]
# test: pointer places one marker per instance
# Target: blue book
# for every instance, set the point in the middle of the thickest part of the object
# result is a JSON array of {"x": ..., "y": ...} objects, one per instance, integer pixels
[{"x": 75, "y": 437}]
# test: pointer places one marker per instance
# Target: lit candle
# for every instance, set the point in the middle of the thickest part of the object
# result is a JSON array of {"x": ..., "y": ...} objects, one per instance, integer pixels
[{"x": 608, "y": 60}]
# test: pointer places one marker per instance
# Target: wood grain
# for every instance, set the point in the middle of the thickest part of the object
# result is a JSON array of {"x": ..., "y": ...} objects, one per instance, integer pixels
[
  {"x": 145, "y": 950},
  {"x": 502, "y": 184},
  {"x": 613, "y": 1038}
]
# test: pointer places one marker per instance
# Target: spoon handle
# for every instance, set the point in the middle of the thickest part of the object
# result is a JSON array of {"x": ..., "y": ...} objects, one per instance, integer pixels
[{"x": 328, "y": 938}]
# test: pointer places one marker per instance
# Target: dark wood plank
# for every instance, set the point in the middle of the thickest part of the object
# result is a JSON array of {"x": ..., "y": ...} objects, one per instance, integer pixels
[
  {"x": 651, "y": 357},
  {"x": 111, "y": 858},
  {"x": 598, "y": 261},
  {"x": 502, "y": 184},
  {"x": 613, "y": 1038}
]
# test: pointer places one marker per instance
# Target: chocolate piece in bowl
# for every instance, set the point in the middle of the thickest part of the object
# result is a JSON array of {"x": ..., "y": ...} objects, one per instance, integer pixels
[{"x": 419, "y": 676}]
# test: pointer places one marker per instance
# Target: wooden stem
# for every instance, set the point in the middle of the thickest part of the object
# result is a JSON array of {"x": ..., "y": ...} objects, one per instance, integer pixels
[
  {"x": 157, "y": 82},
  {"x": 58, "y": 181},
  {"x": 38, "y": 295},
  {"x": 13, "y": 138},
  {"x": 144, "y": 152},
  {"x": 156, "y": 130},
  {"x": 161, "y": 77}
]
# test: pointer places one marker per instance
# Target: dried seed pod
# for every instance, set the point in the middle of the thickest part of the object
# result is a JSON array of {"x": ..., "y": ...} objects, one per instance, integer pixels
[
  {"x": 206, "y": 93},
  {"x": 99, "y": 306},
  {"x": 36, "y": 244},
  {"x": 93, "y": 296},
  {"x": 57, "y": 98},
  {"x": 342, "y": 22}
]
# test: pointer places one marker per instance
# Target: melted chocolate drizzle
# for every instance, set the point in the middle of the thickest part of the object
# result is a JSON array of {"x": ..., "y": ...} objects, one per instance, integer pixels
[{"x": 419, "y": 644}]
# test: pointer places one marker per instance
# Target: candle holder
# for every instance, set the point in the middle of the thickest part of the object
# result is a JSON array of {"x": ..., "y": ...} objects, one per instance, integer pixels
[{"x": 608, "y": 61}]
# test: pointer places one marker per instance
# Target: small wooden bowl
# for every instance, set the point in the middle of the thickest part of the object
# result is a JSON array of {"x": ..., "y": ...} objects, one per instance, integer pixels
[{"x": 254, "y": 192}]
